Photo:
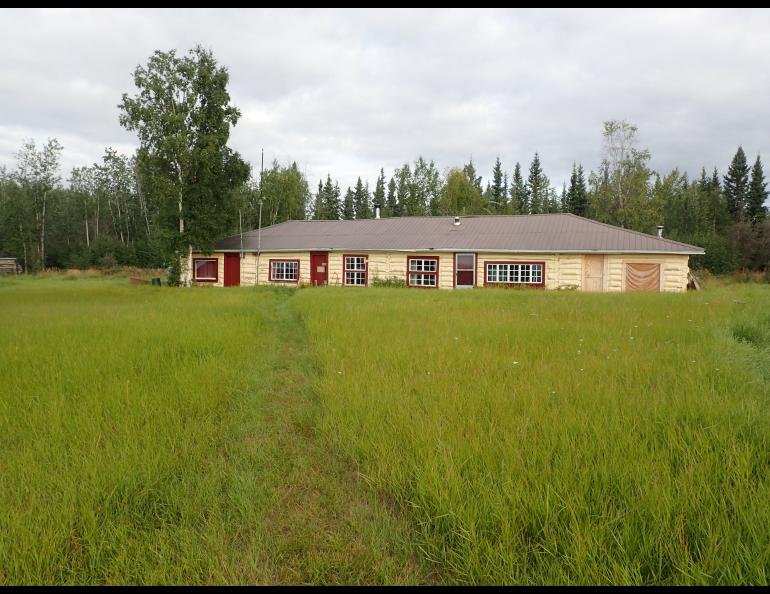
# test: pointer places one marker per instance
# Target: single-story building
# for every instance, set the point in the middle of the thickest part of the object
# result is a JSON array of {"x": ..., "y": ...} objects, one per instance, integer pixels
[{"x": 553, "y": 251}]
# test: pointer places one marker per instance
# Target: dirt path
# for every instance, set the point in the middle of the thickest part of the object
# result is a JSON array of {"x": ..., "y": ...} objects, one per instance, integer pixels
[{"x": 323, "y": 524}]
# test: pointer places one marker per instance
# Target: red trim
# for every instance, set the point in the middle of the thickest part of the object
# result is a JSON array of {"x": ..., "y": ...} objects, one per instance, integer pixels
[
  {"x": 366, "y": 269},
  {"x": 541, "y": 284},
  {"x": 408, "y": 272},
  {"x": 205, "y": 280},
  {"x": 475, "y": 267},
  {"x": 270, "y": 271}
]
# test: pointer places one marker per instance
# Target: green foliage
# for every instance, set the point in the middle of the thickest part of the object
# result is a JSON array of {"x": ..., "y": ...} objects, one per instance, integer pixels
[
  {"x": 362, "y": 201},
  {"x": 577, "y": 196},
  {"x": 519, "y": 193},
  {"x": 183, "y": 116},
  {"x": 393, "y": 281},
  {"x": 460, "y": 195},
  {"x": 498, "y": 199},
  {"x": 349, "y": 206},
  {"x": 378, "y": 198},
  {"x": 736, "y": 186},
  {"x": 756, "y": 211},
  {"x": 284, "y": 194}
]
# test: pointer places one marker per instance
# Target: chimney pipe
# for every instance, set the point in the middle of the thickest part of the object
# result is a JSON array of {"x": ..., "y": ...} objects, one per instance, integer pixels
[
  {"x": 660, "y": 230},
  {"x": 457, "y": 222},
  {"x": 376, "y": 211}
]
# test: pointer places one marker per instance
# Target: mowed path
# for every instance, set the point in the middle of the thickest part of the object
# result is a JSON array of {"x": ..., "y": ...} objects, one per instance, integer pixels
[{"x": 157, "y": 436}]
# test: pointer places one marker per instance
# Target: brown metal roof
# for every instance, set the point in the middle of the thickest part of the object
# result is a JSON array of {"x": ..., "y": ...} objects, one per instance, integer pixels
[{"x": 554, "y": 233}]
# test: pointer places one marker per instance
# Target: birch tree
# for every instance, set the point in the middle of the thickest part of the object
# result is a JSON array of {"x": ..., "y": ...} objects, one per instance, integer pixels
[
  {"x": 37, "y": 174},
  {"x": 183, "y": 116}
]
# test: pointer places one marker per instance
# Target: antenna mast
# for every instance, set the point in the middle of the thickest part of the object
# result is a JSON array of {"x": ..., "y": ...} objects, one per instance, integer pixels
[{"x": 259, "y": 223}]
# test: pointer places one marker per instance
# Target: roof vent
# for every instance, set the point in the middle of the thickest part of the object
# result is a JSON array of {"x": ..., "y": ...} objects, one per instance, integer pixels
[
  {"x": 376, "y": 211},
  {"x": 457, "y": 222},
  {"x": 660, "y": 231}
]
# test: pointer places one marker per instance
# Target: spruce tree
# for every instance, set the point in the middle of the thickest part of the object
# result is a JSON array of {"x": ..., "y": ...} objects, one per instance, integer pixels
[
  {"x": 537, "y": 190},
  {"x": 391, "y": 207},
  {"x": 318, "y": 205},
  {"x": 497, "y": 193},
  {"x": 348, "y": 205},
  {"x": 362, "y": 201},
  {"x": 379, "y": 191},
  {"x": 470, "y": 172},
  {"x": 737, "y": 186},
  {"x": 577, "y": 195},
  {"x": 756, "y": 211},
  {"x": 519, "y": 193},
  {"x": 331, "y": 203}
]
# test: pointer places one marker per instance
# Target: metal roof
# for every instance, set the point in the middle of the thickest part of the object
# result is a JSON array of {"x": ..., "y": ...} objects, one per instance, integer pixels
[{"x": 546, "y": 233}]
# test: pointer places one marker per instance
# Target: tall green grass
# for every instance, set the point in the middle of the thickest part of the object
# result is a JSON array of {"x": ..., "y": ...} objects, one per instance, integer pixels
[
  {"x": 151, "y": 435},
  {"x": 155, "y": 436},
  {"x": 559, "y": 437}
]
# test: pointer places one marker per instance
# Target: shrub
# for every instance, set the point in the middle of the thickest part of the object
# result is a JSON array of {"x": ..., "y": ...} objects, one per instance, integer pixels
[{"x": 392, "y": 281}]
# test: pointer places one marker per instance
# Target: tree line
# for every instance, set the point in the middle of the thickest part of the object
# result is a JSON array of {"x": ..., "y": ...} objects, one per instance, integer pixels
[{"x": 184, "y": 186}]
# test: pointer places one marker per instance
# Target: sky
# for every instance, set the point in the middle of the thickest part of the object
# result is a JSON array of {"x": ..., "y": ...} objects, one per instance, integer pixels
[{"x": 350, "y": 91}]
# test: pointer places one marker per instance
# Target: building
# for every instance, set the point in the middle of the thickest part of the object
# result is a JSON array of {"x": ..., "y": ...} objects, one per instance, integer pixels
[{"x": 554, "y": 251}]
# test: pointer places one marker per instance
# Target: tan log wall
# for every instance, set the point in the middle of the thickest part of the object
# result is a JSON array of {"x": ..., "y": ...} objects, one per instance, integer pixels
[{"x": 562, "y": 271}]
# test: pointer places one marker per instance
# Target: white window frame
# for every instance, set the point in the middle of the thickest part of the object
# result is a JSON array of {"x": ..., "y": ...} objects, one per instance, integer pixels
[
  {"x": 284, "y": 271},
  {"x": 421, "y": 269},
  {"x": 355, "y": 275},
  {"x": 513, "y": 273}
]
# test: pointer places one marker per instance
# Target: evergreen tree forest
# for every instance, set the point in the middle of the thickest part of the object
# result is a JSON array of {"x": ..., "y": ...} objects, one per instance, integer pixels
[{"x": 140, "y": 209}]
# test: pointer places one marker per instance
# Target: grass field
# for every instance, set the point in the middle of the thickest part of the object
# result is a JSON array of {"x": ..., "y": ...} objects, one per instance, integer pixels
[{"x": 152, "y": 435}]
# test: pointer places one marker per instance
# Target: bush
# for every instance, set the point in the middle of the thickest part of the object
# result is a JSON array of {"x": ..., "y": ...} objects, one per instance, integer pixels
[
  {"x": 392, "y": 281},
  {"x": 108, "y": 263}
]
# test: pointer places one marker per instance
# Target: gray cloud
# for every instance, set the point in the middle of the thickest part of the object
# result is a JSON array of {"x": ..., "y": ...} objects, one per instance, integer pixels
[{"x": 350, "y": 91}]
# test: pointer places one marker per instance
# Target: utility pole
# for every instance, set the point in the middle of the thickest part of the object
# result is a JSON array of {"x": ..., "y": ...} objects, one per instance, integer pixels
[{"x": 259, "y": 222}]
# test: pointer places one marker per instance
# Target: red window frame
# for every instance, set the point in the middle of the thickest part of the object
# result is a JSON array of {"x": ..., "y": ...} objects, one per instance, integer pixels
[
  {"x": 206, "y": 280},
  {"x": 281, "y": 280},
  {"x": 345, "y": 269},
  {"x": 541, "y": 284},
  {"x": 409, "y": 272}
]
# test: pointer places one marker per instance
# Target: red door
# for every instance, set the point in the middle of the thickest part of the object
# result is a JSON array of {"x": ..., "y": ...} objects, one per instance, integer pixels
[
  {"x": 465, "y": 270},
  {"x": 319, "y": 268},
  {"x": 232, "y": 270}
]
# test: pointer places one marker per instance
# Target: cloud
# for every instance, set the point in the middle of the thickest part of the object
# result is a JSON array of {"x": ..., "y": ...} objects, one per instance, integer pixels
[{"x": 351, "y": 91}]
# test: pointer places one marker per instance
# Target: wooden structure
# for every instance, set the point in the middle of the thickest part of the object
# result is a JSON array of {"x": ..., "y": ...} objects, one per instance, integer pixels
[{"x": 8, "y": 266}]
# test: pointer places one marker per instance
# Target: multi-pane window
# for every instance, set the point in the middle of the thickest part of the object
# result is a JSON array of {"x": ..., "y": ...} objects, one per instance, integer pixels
[
  {"x": 205, "y": 270},
  {"x": 422, "y": 272},
  {"x": 284, "y": 271},
  {"x": 510, "y": 273},
  {"x": 355, "y": 270}
]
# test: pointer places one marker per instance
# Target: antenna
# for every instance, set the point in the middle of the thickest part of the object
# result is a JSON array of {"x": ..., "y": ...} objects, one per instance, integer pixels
[
  {"x": 259, "y": 224},
  {"x": 240, "y": 225}
]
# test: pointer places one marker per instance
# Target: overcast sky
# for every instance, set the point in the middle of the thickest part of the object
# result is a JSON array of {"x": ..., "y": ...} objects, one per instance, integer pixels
[{"x": 350, "y": 91}]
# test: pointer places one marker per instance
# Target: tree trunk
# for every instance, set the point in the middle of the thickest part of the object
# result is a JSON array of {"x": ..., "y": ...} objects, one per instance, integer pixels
[
  {"x": 42, "y": 234},
  {"x": 85, "y": 205}
]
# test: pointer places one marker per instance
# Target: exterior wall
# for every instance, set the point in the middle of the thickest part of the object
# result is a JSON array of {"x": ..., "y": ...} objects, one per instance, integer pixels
[
  {"x": 562, "y": 271},
  {"x": 673, "y": 270},
  {"x": 385, "y": 265},
  {"x": 220, "y": 270}
]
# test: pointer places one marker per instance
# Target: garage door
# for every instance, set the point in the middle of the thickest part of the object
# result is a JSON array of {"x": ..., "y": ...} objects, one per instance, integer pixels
[{"x": 642, "y": 277}]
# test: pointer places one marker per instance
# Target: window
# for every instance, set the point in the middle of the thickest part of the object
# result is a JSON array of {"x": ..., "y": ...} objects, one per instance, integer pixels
[
  {"x": 205, "y": 270},
  {"x": 284, "y": 271},
  {"x": 515, "y": 273},
  {"x": 422, "y": 272},
  {"x": 355, "y": 270}
]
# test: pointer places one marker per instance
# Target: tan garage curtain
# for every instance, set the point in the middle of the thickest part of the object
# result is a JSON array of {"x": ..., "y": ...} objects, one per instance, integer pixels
[{"x": 642, "y": 277}]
